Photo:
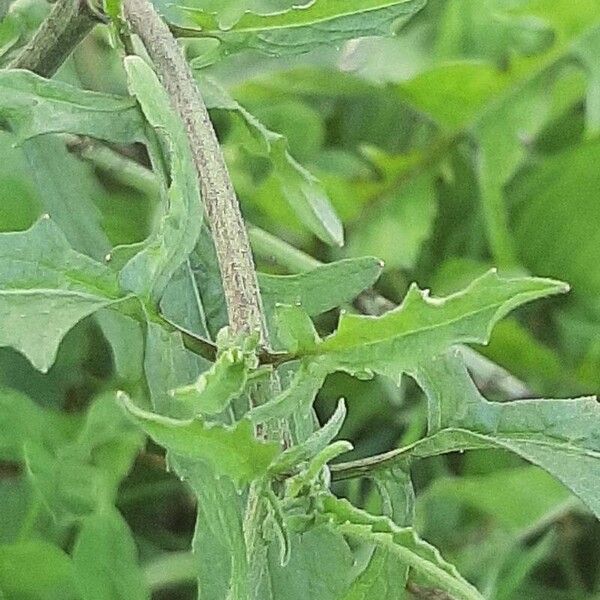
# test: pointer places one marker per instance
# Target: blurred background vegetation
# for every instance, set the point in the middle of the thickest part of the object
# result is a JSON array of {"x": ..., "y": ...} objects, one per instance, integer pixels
[{"x": 469, "y": 140}]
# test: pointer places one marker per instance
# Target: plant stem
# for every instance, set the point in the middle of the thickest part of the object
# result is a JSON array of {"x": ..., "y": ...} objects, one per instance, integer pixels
[
  {"x": 67, "y": 24},
  {"x": 126, "y": 171},
  {"x": 277, "y": 252},
  {"x": 229, "y": 233},
  {"x": 238, "y": 274}
]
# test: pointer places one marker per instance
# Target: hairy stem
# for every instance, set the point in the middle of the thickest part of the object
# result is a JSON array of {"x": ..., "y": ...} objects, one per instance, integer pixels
[
  {"x": 67, "y": 24},
  {"x": 238, "y": 274},
  {"x": 229, "y": 233}
]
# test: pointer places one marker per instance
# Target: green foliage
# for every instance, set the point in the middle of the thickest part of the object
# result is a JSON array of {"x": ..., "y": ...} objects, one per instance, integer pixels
[
  {"x": 47, "y": 288},
  {"x": 300, "y": 28},
  {"x": 360, "y": 452}
]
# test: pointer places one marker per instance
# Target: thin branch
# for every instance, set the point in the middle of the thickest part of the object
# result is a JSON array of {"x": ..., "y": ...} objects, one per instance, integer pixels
[
  {"x": 363, "y": 467},
  {"x": 120, "y": 168},
  {"x": 229, "y": 233},
  {"x": 68, "y": 22}
]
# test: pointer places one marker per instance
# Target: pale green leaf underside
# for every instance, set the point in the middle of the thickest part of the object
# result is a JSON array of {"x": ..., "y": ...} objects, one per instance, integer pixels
[
  {"x": 302, "y": 28},
  {"x": 174, "y": 238},
  {"x": 32, "y": 105},
  {"x": 423, "y": 327},
  {"x": 45, "y": 289},
  {"x": 216, "y": 388},
  {"x": 232, "y": 451},
  {"x": 402, "y": 542},
  {"x": 561, "y": 436}
]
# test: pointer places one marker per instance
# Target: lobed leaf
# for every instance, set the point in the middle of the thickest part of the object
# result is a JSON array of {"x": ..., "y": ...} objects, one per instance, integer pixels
[
  {"x": 67, "y": 189},
  {"x": 302, "y": 28},
  {"x": 322, "y": 288},
  {"x": 423, "y": 327},
  {"x": 424, "y": 560},
  {"x": 232, "y": 451},
  {"x": 45, "y": 289},
  {"x": 31, "y": 105}
]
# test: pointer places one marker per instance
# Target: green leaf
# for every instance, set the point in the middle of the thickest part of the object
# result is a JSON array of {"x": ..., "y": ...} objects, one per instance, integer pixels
[
  {"x": 311, "y": 447},
  {"x": 397, "y": 495},
  {"x": 500, "y": 108},
  {"x": 300, "y": 189},
  {"x": 126, "y": 339},
  {"x": 69, "y": 488},
  {"x": 424, "y": 560},
  {"x": 31, "y": 105},
  {"x": 298, "y": 396},
  {"x": 182, "y": 303},
  {"x": 307, "y": 574},
  {"x": 422, "y": 327},
  {"x": 559, "y": 196},
  {"x": 302, "y": 28},
  {"x": 383, "y": 578},
  {"x": 46, "y": 288},
  {"x": 80, "y": 471},
  {"x": 560, "y": 436},
  {"x": 322, "y": 288},
  {"x": 219, "y": 545},
  {"x": 282, "y": 531},
  {"x": 232, "y": 451},
  {"x": 177, "y": 231},
  {"x": 105, "y": 559},
  {"x": 36, "y": 569},
  {"x": 168, "y": 366},
  {"x": 217, "y": 387},
  {"x": 23, "y": 421},
  {"x": 67, "y": 189},
  {"x": 401, "y": 211},
  {"x": 207, "y": 279}
]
